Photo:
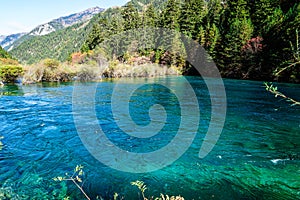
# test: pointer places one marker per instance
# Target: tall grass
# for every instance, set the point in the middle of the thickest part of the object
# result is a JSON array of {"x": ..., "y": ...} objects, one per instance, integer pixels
[
  {"x": 59, "y": 72},
  {"x": 118, "y": 70}
]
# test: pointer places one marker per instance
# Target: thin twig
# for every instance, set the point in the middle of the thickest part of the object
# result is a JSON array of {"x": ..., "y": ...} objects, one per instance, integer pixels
[
  {"x": 80, "y": 188},
  {"x": 286, "y": 68},
  {"x": 274, "y": 91},
  {"x": 74, "y": 178}
]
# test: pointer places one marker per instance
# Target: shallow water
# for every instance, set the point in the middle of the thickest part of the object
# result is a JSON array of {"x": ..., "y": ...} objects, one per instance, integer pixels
[{"x": 256, "y": 157}]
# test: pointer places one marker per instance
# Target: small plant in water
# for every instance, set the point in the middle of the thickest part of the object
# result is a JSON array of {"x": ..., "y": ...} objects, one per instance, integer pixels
[
  {"x": 142, "y": 187},
  {"x": 76, "y": 178}
]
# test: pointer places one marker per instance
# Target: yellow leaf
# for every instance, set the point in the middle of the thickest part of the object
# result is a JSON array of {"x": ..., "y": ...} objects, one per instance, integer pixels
[{"x": 78, "y": 179}]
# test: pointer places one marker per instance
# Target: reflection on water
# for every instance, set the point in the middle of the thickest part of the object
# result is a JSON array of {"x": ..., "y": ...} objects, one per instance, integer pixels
[
  {"x": 10, "y": 90},
  {"x": 256, "y": 157}
]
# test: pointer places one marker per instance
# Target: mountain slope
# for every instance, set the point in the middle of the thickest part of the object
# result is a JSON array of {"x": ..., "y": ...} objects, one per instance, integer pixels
[
  {"x": 4, "y": 54},
  {"x": 57, "y": 45},
  {"x": 6, "y": 41},
  {"x": 55, "y": 25},
  {"x": 56, "y": 39},
  {"x": 66, "y": 21}
]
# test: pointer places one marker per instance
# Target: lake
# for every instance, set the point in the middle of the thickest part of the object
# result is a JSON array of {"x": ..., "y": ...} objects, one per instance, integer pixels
[{"x": 256, "y": 157}]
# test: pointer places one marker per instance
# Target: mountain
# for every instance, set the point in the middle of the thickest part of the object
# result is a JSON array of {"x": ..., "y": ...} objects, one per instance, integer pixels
[
  {"x": 57, "y": 45},
  {"x": 2, "y": 37},
  {"x": 55, "y": 25},
  {"x": 6, "y": 41},
  {"x": 66, "y": 21}
]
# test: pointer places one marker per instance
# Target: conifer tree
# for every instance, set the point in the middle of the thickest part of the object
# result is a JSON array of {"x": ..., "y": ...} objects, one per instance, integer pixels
[
  {"x": 149, "y": 16},
  {"x": 131, "y": 17},
  {"x": 191, "y": 17},
  {"x": 171, "y": 14},
  {"x": 261, "y": 12}
]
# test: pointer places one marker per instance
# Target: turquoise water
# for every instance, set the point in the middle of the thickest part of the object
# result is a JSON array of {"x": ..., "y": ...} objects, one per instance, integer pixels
[{"x": 256, "y": 157}]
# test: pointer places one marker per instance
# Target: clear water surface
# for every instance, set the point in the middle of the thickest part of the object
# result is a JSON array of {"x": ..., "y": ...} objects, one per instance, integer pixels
[{"x": 256, "y": 157}]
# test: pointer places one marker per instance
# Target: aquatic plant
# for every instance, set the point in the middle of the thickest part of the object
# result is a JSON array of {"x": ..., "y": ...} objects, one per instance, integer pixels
[
  {"x": 142, "y": 187},
  {"x": 76, "y": 178}
]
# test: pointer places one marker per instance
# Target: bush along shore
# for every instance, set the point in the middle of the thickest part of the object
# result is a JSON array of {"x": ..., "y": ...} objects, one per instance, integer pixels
[{"x": 87, "y": 68}]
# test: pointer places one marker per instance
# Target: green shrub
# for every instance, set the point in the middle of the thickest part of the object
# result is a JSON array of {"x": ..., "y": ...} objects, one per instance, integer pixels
[
  {"x": 51, "y": 63},
  {"x": 10, "y": 73}
]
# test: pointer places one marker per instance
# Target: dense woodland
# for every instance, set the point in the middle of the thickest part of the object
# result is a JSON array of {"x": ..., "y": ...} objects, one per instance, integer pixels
[{"x": 247, "y": 39}]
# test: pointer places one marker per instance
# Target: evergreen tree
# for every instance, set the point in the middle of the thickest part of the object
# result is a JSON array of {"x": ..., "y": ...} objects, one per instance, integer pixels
[
  {"x": 191, "y": 17},
  {"x": 131, "y": 17},
  {"x": 261, "y": 12},
  {"x": 212, "y": 36},
  {"x": 150, "y": 17},
  {"x": 96, "y": 36},
  {"x": 239, "y": 33},
  {"x": 215, "y": 10},
  {"x": 171, "y": 14}
]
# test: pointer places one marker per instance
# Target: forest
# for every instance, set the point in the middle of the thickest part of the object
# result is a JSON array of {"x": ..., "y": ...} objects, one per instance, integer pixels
[{"x": 247, "y": 39}]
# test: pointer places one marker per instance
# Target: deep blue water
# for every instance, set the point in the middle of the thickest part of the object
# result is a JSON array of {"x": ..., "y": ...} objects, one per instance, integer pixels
[{"x": 256, "y": 157}]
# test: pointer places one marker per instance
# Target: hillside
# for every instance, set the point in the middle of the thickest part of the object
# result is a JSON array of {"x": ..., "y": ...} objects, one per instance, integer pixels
[
  {"x": 56, "y": 39},
  {"x": 64, "y": 22},
  {"x": 4, "y": 54},
  {"x": 55, "y": 25},
  {"x": 7, "y": 41},
  {"x": 58, "y": 45}
]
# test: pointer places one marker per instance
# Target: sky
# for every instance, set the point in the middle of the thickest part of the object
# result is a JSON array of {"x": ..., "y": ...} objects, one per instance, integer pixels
[{"x": 18, "y": 16}]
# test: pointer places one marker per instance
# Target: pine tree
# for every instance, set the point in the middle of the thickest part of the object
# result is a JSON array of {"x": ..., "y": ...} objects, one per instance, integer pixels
[
  {"x": 191, "y": 17},
  {"x": 236, "y": 30},
  {"x": 239, "y": 32},
  {"x": 149, "y": 17},
  {"x": 170, "y": 15},
  {"x": 131, "y": 17},
  {"x": 212, "y": 36},
  {"x": 96, "y": 36},
  {"x": 261, "y": 11},
  {"x": 280, "y": 40}
]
